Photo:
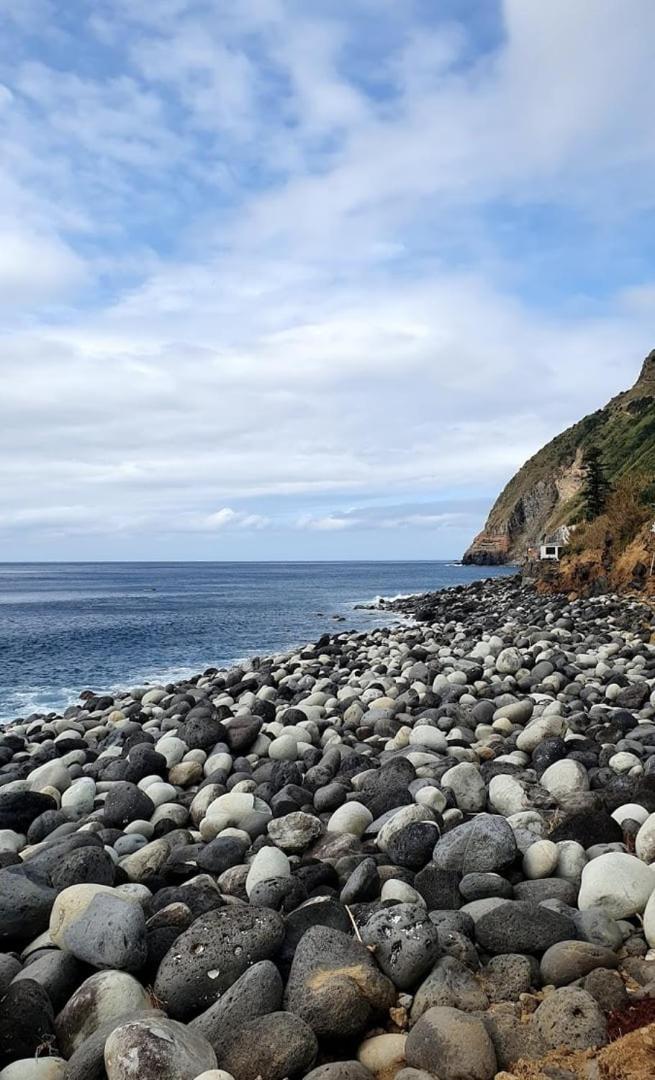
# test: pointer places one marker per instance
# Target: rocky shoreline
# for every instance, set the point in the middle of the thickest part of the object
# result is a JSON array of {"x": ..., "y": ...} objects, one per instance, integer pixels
[{"x": 420, "y": 853}]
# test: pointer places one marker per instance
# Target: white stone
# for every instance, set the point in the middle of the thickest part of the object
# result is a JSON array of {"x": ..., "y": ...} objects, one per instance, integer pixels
[
  {"x": 215, "y": 1074},
  {"x": 352, "y": 817},
  {"x": 543, "y": 727},
  {"x": 383, "y": 1055},
  {"x": 467, "y": 786},
  {"x": 509, "y": 661},
  {"x": 429, "y": 737},
  {"x": 645, "y": 842},
  {"x": 540, "y": 860},
  {"x": 649, "y": 921},
  {"x": 284, "y": 748},
  {"x": 630, "y": 812},
  {"x": 161, "y": 793},
  {"x": 51, "y": 774},
  {"x": 623, "y": 762},
  {"x": 507, "y": 796},
  {"x": 11, "y": 842},
  {"x": 104, "y": 996},
  {"x": 401, "y": 892},
  {"x": 77, "y": 800},
  {"x": 565, "y": 778},
  {"x": 44, "y": 1068},
  {"x": 619, "y": 883},
  {"x": 571, "y": 862},
  {"x": 431, "y": 797},
  {"x": 268, "y": 863},
  {"x": 172, "y": 748}
]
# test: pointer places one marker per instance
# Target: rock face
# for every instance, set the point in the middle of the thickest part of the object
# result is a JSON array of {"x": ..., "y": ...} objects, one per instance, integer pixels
[{"x": 543, "y": 493}]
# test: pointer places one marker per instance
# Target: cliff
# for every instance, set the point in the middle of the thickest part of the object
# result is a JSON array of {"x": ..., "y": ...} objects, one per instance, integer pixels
[{"x": 545, "y": 493}]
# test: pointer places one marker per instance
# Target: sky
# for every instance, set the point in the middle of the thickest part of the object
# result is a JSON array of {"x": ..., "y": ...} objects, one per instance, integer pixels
[{"x": 283, "y": 279}]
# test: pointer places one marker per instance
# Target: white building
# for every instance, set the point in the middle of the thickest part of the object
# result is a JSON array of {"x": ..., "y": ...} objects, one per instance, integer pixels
[{"x": 551, "y": 547}]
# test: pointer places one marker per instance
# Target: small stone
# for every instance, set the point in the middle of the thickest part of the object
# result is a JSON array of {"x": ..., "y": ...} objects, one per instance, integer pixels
[
  {"x": 618, "y": 883},
  {"x": 269, "y": 864},
  {"x": 406, "y": 942},
  {"x": 383, "y": 1055},
  {"x": 275, "y": 1046},
  {"x": 565, "y": 778},
  {"x": 157, "y": 1049},
  {"x": 467, "y": 786},
  {"x": 520, "y": 926},
  {"x": 106, "y": 996},
  {"x": 508, "y": 976},
  {"x": 342, "y": 1070},
  {"x": 45, "y": 1068},
  {"x": 540, "y": 860},
  {"x": 335, "y": 985},
  {"x": 295, "y": 832},
  {"x": 567, "y": 961},
  {"x": 100, "y": 927},
  {"x": 452, "y": 1045},
  {"x": 449, "y": 983},
  {"x": 485, "y": 843},
  {"x": 207, "y": 958},
  {"x": 352, "y": 818},
  {"x": 570, "y": 1018}
]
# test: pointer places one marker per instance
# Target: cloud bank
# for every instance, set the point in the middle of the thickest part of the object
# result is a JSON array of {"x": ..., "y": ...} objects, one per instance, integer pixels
[{"x": 288, "y": 280}]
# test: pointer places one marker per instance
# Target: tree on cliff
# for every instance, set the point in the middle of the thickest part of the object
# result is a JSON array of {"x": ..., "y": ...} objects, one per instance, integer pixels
[{"x": 596, "y": 488}]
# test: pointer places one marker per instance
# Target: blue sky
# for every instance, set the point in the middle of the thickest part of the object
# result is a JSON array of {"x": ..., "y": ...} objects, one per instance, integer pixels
[{"x": 309, "y": 280}]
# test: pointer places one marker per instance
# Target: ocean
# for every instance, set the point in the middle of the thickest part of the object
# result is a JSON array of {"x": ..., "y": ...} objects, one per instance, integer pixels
[{"x": 66, "y": 627}]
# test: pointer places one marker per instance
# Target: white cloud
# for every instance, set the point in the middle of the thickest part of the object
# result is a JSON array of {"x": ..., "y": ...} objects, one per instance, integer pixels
[
  {"x": 330, "y": 523},
  {"x": 36, "y": 268},
  {"x": 227, "y": 518},
  {"x": 297, "y": 260}
]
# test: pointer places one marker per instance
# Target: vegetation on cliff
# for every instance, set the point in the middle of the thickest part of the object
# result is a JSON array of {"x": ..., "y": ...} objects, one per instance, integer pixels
[{"x": 547, "y": 492}]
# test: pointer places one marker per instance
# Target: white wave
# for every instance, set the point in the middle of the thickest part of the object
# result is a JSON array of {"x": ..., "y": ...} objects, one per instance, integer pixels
[{"x": 378, "y": 601}]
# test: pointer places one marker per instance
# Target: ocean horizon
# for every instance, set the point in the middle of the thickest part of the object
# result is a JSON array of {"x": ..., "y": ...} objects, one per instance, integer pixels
[{"x": 70, "y": 626}]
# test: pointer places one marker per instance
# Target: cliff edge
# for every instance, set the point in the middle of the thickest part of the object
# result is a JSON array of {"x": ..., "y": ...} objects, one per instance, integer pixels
[{"x": 545, "y": 493}]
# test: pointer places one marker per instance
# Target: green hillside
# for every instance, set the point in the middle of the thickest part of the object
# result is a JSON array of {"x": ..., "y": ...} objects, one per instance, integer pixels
[{"x": 544, "y": 494}]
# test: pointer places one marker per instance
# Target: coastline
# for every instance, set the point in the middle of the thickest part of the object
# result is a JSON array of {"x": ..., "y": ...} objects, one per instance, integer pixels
[
  {"x": 459, "y": 808},
  {"x": 66, "y": 628}
]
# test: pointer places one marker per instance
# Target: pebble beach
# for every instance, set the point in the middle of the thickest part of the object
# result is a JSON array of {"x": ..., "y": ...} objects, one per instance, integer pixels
[{"x": 423, "y": 852}]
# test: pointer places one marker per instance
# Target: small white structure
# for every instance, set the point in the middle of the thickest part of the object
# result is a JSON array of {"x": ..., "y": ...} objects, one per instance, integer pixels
[
  {"x": 551, "y": 547},
  {"x": 550, "y": 551}
]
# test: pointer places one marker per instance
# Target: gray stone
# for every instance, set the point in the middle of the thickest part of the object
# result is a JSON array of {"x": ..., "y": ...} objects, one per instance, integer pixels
[
  {"x": 275, "y": 1046},
  {"x": 255, "y": 993},
  {"x": 452, "y": 1045},
  {"x": 104, "y": 997},
  {"x": 517, "y": 926},
  {"x": 211, "y": 955},
  {"x": 341, "y": 1070},
  {"x": 88, "y": 1061},
  {"x": 567, "y": 961},
  {"x": 294, "y": 833},
  {"x": 156, "y": 1049},
  {"x": 483, "y": 844},
  {"x": 109, "y": 933},
  {"x": 406, "y": 942},
  {"x": 335, "y": 985},
  {"x": 508, "y": 976},
  {"x": 571, "y": 1018},
  {"x": 449, "y": 983},
  {"x": 57, "y": 972}
]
